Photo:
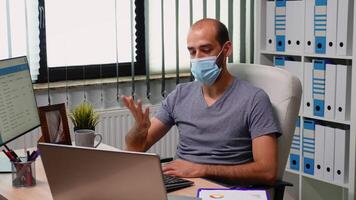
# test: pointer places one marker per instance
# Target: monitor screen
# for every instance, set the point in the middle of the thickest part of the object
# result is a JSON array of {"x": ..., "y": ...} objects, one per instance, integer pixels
[{"x": 18, "y": 108}]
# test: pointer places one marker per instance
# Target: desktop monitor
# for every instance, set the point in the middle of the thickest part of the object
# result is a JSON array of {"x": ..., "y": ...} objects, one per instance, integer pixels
[{"x": 18, "y": 108}]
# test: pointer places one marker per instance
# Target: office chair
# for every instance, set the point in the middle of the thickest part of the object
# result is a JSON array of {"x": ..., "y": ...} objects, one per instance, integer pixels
[{"x": 284, "y": 91}]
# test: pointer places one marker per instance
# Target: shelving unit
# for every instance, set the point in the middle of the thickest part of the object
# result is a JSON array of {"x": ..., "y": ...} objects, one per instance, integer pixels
[{"x": 308, "y": 186}]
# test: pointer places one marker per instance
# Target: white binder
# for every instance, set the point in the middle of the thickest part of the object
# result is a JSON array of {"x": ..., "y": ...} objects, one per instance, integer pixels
[
  {"x": 331, "y": 20},
  {"x": 330, "y": 85},
  {"x": 294, "y": 155},
  {"x": 344, "y": 34},
  {"x": 329, "y": 153},
  {"x": 341, "y": 156},
  {"x": 309, "y": 39},
  {"x": 307, "y": 89},
  {"x": 294, "y": 26},
  {"x": 319, "y": 151},
  {"x": 270, "y": 36},
  {"x": 296, "y": 68},
  {"x": 308, "y": 146},
  {"x": 343, "y": 92}
]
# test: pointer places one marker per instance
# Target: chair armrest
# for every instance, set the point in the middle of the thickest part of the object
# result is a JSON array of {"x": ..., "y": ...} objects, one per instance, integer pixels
[
  {"x": 281, "y": 183},
  {"x": 277, "y": 184},
  {"x": 168, "y": 159}
]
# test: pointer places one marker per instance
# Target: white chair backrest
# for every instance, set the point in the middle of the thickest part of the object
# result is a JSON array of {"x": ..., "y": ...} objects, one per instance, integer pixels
[{"x": 284, "y": 91}]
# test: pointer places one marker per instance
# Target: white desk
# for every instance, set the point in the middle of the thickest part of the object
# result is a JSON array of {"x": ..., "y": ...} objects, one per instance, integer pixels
[{"x": 41, "y": 189}]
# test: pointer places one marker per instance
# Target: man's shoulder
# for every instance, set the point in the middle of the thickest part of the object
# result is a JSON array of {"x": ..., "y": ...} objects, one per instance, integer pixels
[
  {"x": 183, "y": 90},
  {"x": 189, "y": 86},
  {"x": 247, "y": 89}
]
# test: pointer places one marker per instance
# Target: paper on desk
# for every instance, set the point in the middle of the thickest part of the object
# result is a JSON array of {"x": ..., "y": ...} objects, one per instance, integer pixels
[{"x": 231, "y": 194}]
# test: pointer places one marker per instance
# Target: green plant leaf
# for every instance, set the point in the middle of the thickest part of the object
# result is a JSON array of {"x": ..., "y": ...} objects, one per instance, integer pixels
[{"x": 84, "y": 117}]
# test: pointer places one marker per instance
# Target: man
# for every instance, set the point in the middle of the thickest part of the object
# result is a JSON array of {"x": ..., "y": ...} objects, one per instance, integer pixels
[{"x": 226, "y": 126}]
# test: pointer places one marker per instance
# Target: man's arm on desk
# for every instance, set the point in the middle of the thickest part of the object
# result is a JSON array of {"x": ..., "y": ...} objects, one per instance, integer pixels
[{"x": 262, "y": 170}]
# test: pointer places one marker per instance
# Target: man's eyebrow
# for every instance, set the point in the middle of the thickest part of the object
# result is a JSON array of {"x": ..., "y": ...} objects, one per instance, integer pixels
[
  {"x": 206, "y": 46},
  {"x": 201, "y": 46},
  {"x": 190, "y": 48}
]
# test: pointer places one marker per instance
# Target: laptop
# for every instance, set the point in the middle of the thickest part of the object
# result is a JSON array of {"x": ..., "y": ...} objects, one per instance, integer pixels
[{"x": 87, "y": 173}]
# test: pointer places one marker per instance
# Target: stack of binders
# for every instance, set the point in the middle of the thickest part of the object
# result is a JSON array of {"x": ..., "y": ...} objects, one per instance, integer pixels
[
  {"x": 331, "y": 153},
  {"x": 326, "y": 29},
  {"x": 327, "y": 90},
  {"x": 284, "y": 27}
]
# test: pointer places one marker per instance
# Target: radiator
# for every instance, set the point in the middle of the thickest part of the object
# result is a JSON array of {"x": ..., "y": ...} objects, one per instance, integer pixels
[{"x": 114, "y": 124}]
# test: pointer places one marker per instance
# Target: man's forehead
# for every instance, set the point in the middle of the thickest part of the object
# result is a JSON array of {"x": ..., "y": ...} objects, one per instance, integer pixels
[
  {"x": 200, "y": 37},
  {"x": 200, "y": 44}
]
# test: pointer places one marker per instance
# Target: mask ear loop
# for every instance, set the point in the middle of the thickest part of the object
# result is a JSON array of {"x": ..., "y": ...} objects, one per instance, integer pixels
[{"x": 217, "y": 57}]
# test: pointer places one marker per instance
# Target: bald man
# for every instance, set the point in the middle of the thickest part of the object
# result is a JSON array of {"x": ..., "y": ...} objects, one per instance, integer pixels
[{"x": 227, "y": 130}]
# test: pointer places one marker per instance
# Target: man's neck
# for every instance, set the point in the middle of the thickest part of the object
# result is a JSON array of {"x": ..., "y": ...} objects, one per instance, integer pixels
[{"x": 218, "y": 88}]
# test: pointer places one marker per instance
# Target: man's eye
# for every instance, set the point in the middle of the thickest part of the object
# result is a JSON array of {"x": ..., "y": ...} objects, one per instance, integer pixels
[{"x": 206, "y": 50}]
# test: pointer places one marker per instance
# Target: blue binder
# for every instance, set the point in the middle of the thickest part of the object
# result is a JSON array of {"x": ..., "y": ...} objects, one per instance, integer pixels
[
  {"x": 279, "y": 61},
  {"x": 319, "y": 87},
  {"x": 294, "y": 156},
  {"x": 320, "y": 14},
  {"x": 280, "y": 24},
  {"x": 308, "y": 146}
]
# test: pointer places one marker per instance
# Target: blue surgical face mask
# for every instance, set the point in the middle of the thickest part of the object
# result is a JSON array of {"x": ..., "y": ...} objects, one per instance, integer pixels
[{"x": 205, "y": 70}]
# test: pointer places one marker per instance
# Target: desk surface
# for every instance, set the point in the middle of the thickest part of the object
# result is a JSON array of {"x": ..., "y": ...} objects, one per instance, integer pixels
[{"x": 41, "y": 189}]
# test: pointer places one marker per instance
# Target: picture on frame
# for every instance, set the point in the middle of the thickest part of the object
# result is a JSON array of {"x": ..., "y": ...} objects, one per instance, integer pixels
[{"x": 54, "y": 124}]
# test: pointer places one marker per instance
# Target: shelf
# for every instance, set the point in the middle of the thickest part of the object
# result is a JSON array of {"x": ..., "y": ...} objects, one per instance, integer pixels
[
  {"x": 309, "y": 186},
  {"x": 325, "y": 181},
  {"x": 328, "y": 120},
  {"x": 280, "y": 53},
  {"x": 292, "y": 171},
  {"x": 327, "y": 56},
  {"x": 316, "y": 178},
  {"x": 305, "y": 55}
]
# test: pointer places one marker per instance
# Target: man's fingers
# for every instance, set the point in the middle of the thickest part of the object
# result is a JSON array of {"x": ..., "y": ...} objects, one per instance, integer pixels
[
  {"x": 129, "y": 103},
  {"x": 146, "y": 114},
  {"x": 139, "y": 108},
  {"x": 167, "y": 167},
  {"x": 125, "y": 100},
  {"x": 170, "y": 173}
]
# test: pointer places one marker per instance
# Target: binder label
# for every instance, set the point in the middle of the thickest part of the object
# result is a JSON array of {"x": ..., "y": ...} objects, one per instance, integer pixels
[
  {"x": 280, "y": 24},
  {"x": 320, "y": 16},
  {"x": 319, "y": 87}
]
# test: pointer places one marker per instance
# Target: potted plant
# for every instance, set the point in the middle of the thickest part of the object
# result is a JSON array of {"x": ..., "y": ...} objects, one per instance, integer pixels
[{"x": 84, "y": 117}]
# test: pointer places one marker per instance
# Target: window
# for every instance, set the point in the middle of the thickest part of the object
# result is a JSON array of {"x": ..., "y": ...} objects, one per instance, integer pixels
[
  {"x": 19, "y": 32},
  {"x": 85, "y": 39}
]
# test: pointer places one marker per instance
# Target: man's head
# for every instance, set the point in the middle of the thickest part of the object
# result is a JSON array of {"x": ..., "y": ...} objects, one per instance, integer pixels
[
  {"x": 207, "y": 37},
  {"x": 208, "y": 44}
]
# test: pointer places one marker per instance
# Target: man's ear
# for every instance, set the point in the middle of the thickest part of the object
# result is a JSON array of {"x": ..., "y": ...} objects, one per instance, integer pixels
[
  {"x": 227, "y": 51},
  {"x": 228, "y": 47}
]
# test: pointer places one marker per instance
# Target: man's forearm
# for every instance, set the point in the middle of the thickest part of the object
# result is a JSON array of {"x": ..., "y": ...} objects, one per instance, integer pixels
[{"x": 252, "y": 173}]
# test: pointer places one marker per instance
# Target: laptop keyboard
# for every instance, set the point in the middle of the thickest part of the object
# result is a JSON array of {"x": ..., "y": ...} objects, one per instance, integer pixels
[{"x": 174, "y": 183}]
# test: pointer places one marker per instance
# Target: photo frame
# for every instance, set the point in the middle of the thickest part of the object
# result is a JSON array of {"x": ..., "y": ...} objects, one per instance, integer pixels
[{"x": 54, "y": 124}]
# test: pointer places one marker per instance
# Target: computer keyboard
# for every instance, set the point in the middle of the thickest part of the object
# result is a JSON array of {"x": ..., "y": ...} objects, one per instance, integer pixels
[{"x": 174, "y": 183}]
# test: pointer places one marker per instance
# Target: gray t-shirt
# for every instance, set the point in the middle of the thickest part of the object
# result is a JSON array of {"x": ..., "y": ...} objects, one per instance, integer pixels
[{"x": 221, "y": 133}]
